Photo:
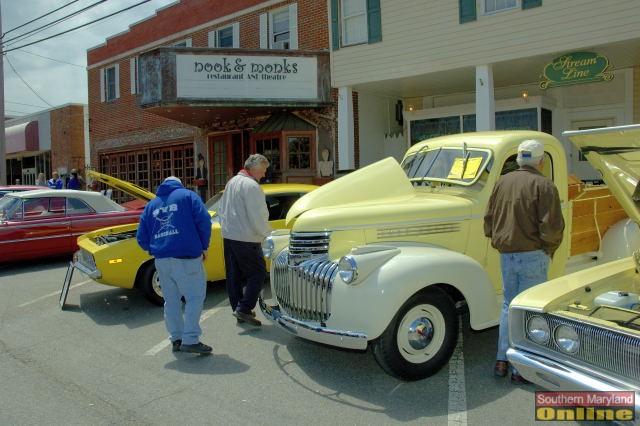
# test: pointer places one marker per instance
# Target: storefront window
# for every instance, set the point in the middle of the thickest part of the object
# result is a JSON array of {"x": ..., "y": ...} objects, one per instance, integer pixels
[
  {"x": 432, "y": 127},
  {"x": 299, "y": 152}
]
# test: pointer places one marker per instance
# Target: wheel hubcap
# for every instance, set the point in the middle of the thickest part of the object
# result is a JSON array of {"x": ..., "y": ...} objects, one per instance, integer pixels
[
  {"x": 155, "y": 283},
  {"x": 420, "y": 333}
]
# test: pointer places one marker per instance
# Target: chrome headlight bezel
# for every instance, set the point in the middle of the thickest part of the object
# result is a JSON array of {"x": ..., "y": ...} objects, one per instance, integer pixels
[
  {"x": 348, "y": 269},
  {"x": 538, "y": 330},
  {"x": 268, "y": 247},
  {"x": 567, "y": 339}
]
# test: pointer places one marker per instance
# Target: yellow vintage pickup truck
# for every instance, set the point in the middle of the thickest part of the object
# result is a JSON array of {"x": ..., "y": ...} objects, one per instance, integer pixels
[{"x": 390, "y": 254}]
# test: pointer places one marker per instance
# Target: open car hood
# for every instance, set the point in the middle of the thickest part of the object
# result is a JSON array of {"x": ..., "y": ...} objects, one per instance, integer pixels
[
  {"x": 615, "y": 153},
  {"x": 126, "y": 187},
  {"x": 383, "y": 179}
]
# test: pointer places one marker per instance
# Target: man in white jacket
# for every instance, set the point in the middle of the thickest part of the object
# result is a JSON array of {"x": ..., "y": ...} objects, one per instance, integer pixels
[{"x": 244, "y": 221}]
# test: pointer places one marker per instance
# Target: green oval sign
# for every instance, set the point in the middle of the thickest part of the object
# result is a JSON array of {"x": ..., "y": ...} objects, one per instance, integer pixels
[{"x": 575, "y": 68}]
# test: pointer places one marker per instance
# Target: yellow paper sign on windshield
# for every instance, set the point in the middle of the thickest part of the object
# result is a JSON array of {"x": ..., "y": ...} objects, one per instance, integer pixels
[{"x": 470, "y": 171}]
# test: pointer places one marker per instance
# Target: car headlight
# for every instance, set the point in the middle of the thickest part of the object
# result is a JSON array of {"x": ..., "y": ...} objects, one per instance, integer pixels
[
  {"x": 267, "y": 247},
  {"x": 567, "y": 339},
  {"x": 538, "y": 330},
  {"x": 348, "y": 269}
]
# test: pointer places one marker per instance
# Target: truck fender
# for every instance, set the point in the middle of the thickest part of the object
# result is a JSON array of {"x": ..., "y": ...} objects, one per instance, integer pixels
[
  {"x": 620, "y": 240},
  {"x": 404, "y": 271}
]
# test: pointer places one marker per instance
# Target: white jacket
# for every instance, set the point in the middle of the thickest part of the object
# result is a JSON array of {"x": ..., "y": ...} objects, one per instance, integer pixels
[{"x": 243, "y": 210}]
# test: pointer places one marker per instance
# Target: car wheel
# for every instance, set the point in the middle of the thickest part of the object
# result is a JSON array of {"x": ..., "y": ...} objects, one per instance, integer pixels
[
  {"x": 150, "y": 284},
  {"x": 421, "y": 337}
]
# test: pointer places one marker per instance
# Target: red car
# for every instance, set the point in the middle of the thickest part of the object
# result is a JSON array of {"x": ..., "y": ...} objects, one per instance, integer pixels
[
  {"x": 5, "y": 189},
  {"x": 47, "y": 222}
]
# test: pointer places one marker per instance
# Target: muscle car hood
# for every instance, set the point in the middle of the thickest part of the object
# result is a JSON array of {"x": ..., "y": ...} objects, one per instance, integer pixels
[
  {"x": 127, "y": 187},
  {"x": 383, "y": 180},
  {"x": 615, "y": 153}
]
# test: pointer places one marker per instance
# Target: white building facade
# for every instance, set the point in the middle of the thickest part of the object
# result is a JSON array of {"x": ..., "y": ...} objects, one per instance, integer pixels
[{"x": 408, "y": 70}]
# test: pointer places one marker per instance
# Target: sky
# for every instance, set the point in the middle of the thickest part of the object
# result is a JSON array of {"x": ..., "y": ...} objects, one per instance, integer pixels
[{"x": 52, "y": 73}]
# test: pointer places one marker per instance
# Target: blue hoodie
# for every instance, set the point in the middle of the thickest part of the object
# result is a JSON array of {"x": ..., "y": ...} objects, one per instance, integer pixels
[{"x": 175, "y": 223}]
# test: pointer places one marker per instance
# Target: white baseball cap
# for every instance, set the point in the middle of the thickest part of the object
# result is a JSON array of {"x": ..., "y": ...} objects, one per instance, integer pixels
[
  {"x": 170, "y": 178},
  {"x": 530, "y": 150}
]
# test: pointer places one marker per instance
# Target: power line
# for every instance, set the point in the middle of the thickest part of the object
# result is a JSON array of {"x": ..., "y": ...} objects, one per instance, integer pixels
[
  {"x": 52, "y": 59},
  {"x": 25, "y": 83},
  {"x": 50, "y": 24},
  {"x": 39, "y": 17},
  {"x": 20, "y": 103},
  {"x": 78, "y": 27}
]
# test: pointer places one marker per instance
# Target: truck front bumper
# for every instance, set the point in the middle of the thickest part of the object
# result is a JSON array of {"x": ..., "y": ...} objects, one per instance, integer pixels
[
  {"x": 556, "y": 376},
  {"x": 313, "y": 332}
]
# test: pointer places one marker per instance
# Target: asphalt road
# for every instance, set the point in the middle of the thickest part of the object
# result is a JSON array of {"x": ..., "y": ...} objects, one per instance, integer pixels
[{"x": 105, "y": 360}]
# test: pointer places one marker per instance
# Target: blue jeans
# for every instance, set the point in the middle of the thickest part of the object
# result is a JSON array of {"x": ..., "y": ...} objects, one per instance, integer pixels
[
  {"x": 182, "y": 278},
  {"x": 520, "y": 271}
]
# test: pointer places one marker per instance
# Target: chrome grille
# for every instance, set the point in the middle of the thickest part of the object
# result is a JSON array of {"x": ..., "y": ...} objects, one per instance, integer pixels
[
  {"x": 307, "y": 245},
  {"x": 604, "y": 349},
  {"x": 304, "y": 290}
]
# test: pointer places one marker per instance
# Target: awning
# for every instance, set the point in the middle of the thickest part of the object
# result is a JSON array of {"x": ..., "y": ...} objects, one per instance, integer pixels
[
  {"x": 283, "y": 121},
  {"x": 22, "y": 137}
]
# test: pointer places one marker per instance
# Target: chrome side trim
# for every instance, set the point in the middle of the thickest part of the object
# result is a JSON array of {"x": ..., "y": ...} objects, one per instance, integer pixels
[{"x": 308, "y": 331}]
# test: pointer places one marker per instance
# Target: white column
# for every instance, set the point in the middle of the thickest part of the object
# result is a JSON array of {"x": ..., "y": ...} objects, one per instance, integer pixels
[
  {"x": 345, "y": 129},
  {"x": 485, "y": 102}
]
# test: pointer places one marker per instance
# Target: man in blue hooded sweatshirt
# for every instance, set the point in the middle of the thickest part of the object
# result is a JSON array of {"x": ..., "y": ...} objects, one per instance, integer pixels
[{"x": 175, "y": 228}]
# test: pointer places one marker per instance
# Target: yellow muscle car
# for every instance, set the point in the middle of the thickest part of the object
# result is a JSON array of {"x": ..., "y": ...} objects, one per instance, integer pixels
[{"x": 112, "y": 256}]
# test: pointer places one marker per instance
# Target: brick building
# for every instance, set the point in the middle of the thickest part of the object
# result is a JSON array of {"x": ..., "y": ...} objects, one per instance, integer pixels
[
  {"x": 52, "y": 140},
  {"x": 216, "y": 79}
]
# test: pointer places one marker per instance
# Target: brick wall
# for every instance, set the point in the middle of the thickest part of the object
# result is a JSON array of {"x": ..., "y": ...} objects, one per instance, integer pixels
[
  {"x": 67, "y": 138},
  {"x": 122, "y": 123}
]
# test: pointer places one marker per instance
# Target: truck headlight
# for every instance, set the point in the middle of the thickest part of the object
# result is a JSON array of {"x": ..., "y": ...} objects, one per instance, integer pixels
[
  {"x": 267, "y": 247},
  {"x": 538, "y": 330},
  {"x": 567, "y": 339},
  {"x": 348, "y": 269}
]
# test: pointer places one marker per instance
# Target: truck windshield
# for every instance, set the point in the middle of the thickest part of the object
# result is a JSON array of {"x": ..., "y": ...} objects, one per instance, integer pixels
[{"x": 456, "y": 165}]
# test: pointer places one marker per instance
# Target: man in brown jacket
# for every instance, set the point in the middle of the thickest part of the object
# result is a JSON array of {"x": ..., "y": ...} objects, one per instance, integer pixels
[{"x": 524, "y": 221}]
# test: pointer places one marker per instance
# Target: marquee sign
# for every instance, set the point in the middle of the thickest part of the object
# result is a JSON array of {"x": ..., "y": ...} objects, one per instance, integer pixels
[
  {"x": 247, "y": 77},
  {"x": 576, "y": 68}
]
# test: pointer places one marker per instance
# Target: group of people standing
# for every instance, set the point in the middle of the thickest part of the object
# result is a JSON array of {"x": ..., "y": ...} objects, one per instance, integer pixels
[
  {"x": 523, "y": 220},
  {"x": 56, "y": 182},
  {"x": 175, "y": 228}
]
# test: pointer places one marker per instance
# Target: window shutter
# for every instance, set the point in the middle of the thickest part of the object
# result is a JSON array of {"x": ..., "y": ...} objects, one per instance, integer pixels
[
  {"x": 467, "y": 11},
  {"x": 117, "y": 67},
  {"x": 133, "y": 74},
  {"x": 293, "y": 26},
  {"x": 528, "y": 4},
  {"x": 335, "y": 25},
  {"x": 374, "y": 21},
  {"x": 264, "y": 31},
  {"x": 102, "y": 97},
  {"x": 236, "y": 35},
  {"x": 211, "y": 39}
]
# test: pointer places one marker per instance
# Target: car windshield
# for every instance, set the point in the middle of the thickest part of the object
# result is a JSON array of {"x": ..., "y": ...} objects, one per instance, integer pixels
[
  {"x": 454, "y": 165},
  {"x": 10, "y": 208}
]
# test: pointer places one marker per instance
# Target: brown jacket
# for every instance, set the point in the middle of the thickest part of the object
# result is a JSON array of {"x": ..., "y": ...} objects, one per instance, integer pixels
[{"x": 524, "y": 213}]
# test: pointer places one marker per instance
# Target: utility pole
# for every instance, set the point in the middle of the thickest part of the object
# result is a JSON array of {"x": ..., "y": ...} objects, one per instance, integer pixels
[{"x": 3, "y": 139}]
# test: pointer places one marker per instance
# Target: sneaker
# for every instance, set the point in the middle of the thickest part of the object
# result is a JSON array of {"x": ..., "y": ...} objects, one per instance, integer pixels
[
  {"x": 517, "y": 379},
  {"x": 251, "y": 319},
  {"x": 175, "y": 345},
  {"x": 500, "y": 369},
  {"x": 197, "y": 348}
]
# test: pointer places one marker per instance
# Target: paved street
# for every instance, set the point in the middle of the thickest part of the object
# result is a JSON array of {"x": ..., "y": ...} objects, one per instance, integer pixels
[{"x": 105, "y": 360}]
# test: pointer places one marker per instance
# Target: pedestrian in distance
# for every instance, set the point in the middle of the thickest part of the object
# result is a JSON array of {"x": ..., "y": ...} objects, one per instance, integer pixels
[
  {"x": 55, "y": 182},
  {"x": 175, "y": 228},
  {"x": 74, "y": 181},
  {"x": 41, "y": 180},
  {"x": 244, "y": 222},
  {"x": 524, "y": 221}
]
